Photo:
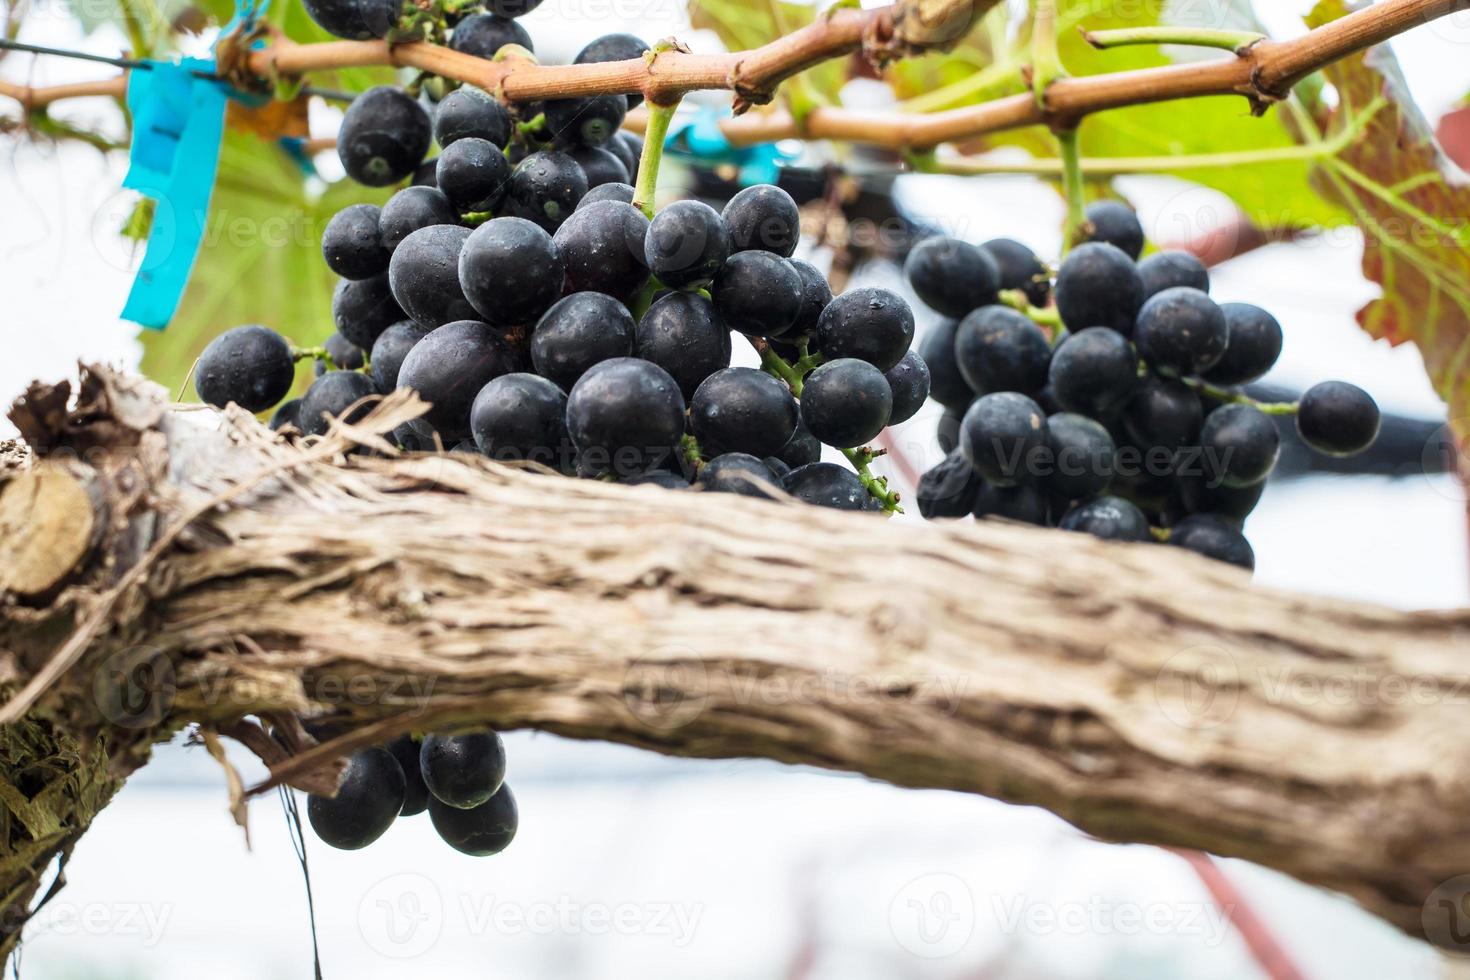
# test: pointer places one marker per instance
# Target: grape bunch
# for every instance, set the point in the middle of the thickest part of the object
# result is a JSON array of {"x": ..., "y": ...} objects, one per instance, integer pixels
[
  {"x": 459, "y": 779},
  {"x": 1108, "y": 399}
]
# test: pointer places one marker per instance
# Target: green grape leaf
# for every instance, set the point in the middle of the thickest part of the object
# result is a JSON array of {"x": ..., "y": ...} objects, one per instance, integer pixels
[
  {"x": 260, "y": 260},
  {"x": 1410, "y": 201}
]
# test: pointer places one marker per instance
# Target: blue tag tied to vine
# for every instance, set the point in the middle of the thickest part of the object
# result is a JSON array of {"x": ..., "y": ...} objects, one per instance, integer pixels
[
  {"x": 178, "y": 111},
  {"x": 702, "y": 139}
]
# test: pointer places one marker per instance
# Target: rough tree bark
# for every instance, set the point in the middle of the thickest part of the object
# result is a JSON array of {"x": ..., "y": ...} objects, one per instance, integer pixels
[{"x": 1139, "y": 692}]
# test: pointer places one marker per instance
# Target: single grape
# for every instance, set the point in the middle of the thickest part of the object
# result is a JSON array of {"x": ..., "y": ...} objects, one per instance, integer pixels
[
  {"x": 828, "y": 485},
  {"x": 288, "y": 413},
  {"x": 587, "y": 121},
  {"x": 481, "y": 831},
  {"x": 763, "y": 216},
  {"x": 1078, "y": 462},
  {"x": 742, "y": 410},
  {"x": 949, "y": 488},
  {"x": 579, "y": 331},
  {"x": 1200, "y": 495},
  {"x": 389, "y": 350},
  {"x": 405, "y": 752},
  {"x": 417, "y": 436},
  {"x": 951, "y": 276},
  {"x": 599, "y": 166},
  {"x": 355, "y": 20},
  {"x": 846, "y": 402},
  {"x": 909, "y": 382},
  {"x": 816, "y": 293},
  {"x": 1180, "y": 331},
  {"x": 523, "y": 417},
  {"x": 628, "y": 146},
  {"x": 1098, "y": 286},
  {"x": 411, "y": 209},
  {"x": 450, "y": 366},
  {"x": 1254, "y": 343},
  {"x": 331, "y": 395},
  {"x": 778, "y": 468},
  {"x": 471, "y": 113},
  {"x": 1337, "y": 418},
  {"x": 482, "y": 35},
  {"x": 620, "y": 192},
  {"x": 801, "y": 448},
  {"x": 1020, "y": 269},
  {"x": 463, "y": 771},
  {"x": 1163, "y": 412},
  {"x": 1112, "y": 518},
  {"x": 626, "y": 410},
  {"x": 353, "y": 245},
  {"x": 383, "y": 137},
  {"x": 1093, "y": 372},
  {"x": 364, "y": 308},
  {"x": 426, "y": 173},
  {"x": 1166, "y": 270},
  {"x": 947, "y": 432},
  {"x": 999, "y": 349},
  {"x": 739, "y": 473},
  {"x": 345, "y": 355},
  {"x": 511, "y": 271},
  {"x": 1001, "y": 435},
  {"x": 869, "y": 323},
  {"x": 686, "y": 244},
  {"x": 250, "y": 366},
  {"x": 613, "y": 47},
  {"x": 1240, "y": 445},
  {"x": 757, "y": 293},
  {"x": 947, "y": 385},
  {"x": 601, "y": 246},
  {"x": 1024, "y": 503},
  {"x": 1117, "y": 224},
  {"x": 1215, "y": 538},
  {"x": 473, "y": 174},
  {"x": 368, "y": 799},
  {"x": 545, "y": 188},
  {"x": 683, "y": 334},
  {"x": 424, "y": 276}
]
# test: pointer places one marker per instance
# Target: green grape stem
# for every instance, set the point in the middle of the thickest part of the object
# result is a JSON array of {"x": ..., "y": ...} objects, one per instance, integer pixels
[
  {"x": 316, "y": 353},
  {"x": 1241, "y": 398},
  {"x": 657, "y": 130}
]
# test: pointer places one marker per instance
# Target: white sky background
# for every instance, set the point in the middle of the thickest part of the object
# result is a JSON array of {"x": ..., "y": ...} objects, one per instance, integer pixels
[{"x": 761, "y": 855}]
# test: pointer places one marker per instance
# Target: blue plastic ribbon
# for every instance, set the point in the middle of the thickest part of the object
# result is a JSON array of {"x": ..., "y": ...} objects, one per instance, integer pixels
[
  {"x": 702, "y": 139},
  {"x": 178, "y": 120}
]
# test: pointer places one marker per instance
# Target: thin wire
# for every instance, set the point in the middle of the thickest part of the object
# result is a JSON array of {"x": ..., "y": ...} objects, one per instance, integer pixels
[{"x": 298, "y": 844}]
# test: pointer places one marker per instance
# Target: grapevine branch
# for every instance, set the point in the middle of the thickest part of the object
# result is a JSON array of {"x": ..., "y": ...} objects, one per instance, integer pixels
[
  {"x": 1263, "y": 72},
  {"x": 1138, "y": 691}
]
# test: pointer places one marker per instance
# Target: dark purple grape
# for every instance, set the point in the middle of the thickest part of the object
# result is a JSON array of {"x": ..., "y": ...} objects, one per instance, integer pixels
[
  {"x": 999, "y": 349},
  {"x": 742, "y": 410},
  {"x": 622, "y": 193},
  {"x": 251, "y": 366},
  {"x": 463, "y": 771},
  {"x": 1180, "y": 331},
  {"x": 1240, "y": 445},
  {"x": 599, "y": 167},
  {"x": 523, "y": 417},
  {"x": 1112, "y": 518},
  {"x": 1163, "y": 412},
  {"x": 482, "y": 35},
  {"x": 479, "y": 832},
  {"x": 738, "y": 473},
  {"x": 289, "y": 413},
  {"x": 1337, "y": 418},
  {"x": 1078, "y": 459},
  {"x": 948, "y": 489},
  {"x": 602, "y": 248},
  {"x": 682, "y": 333},
  {"x": 846, "y": 402},
  {"x": 586, "y": 121},
  {"x": 613, "y": 47},
  {"x": 1213, "y": 537},
  {"x": 471, "y": 113},
  {"x": 757, "y": 293},
  {"x": 511, "y": 271},
  {"x": 763, "y": 216},
  {"x": 331, "y": 395},
  {"x": 869, "y": 323},
  {"x": 369, "y": 798},
  {"x": 345, "y": 355},
  {"x": 801, "y": 448},
  {"x": 1001, "y": 435},
  {"x": 686, "y": 244},
  {"x": 579, "y": 331},
  {"x": 952, "y": 276},
  {"x": 947, "y": 385},
  {"x": 828, "y": 485},
  {"x": 450, "y": 366},
  {"x": 628, "y": 146},
  {"x": 424, "y": 276},
  {"x": 405, "y": 752},
  {"x": 364, "y": 308},
  {"x": 1117, "y": 224},
  {"x": 383, "y": 137},
  {"x": 1024, "y": 503},
  {"x": 1093, "y": 372},
  {"x": 626, "y": 411},
  {"x": 1098, "y": 286},
  {"x": 411, "y": 209},
  {"x": 1166, "y": 270},
  {"x": 816, "y": 293},
  {"x": 1020, "y": 269},
  {"x": 545, "y": 188},
  {"x": 355, "y": 20},
  {"x": 1253, "y": 344},
  {"x": 353, "y": 245},
  {"x": 389, "y": 350},
  {"x": 474, "y": 175},
  {"x": 909, "y": 382}
]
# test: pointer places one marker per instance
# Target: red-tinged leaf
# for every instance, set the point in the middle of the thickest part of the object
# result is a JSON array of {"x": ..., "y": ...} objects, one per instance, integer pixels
[{"x": 1411, "y": 202}]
